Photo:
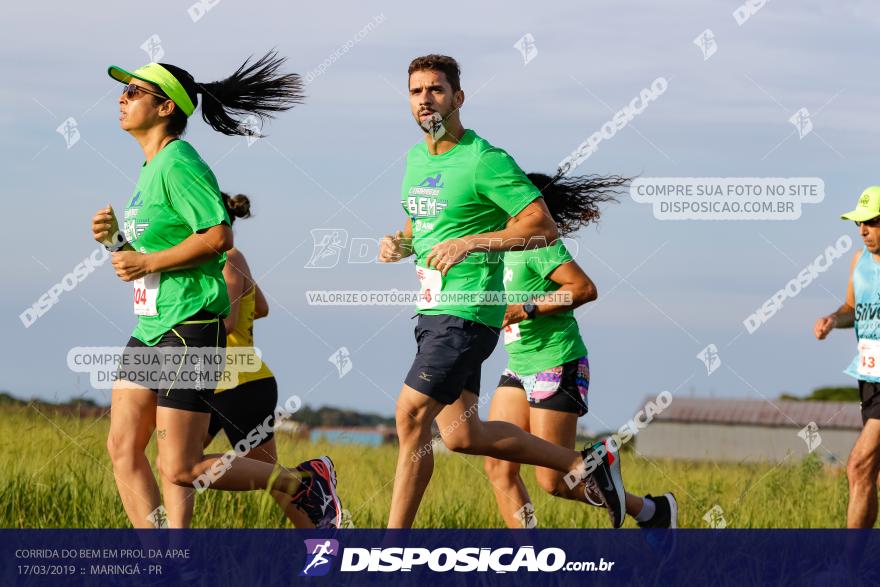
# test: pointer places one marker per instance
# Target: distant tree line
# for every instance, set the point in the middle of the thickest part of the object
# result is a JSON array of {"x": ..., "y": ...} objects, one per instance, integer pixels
[
  {"x": 827, "y": 394},
  {"x": 336, "y": 417}
]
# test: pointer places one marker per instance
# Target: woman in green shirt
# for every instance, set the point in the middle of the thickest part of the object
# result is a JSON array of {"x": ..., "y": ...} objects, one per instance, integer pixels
[
  {"x": 544, "y": 387},
  {"x": 172, "y": 247}
]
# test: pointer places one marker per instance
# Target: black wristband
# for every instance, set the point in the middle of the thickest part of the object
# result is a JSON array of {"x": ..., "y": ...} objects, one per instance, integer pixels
[{"x": 117, "y": 242}]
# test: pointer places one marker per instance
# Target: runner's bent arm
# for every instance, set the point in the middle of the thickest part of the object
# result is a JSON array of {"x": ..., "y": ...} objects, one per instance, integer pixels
[
  {"x": 261, "y": 306},
  {"x": 532, "y": 228},
  {"x": 573, "y": 281},
  {"x": 235, "y": 282},
  {"x": 397, "y": 247},
  {"x": 104, "y": 224},
  {"x": 844, "y": 316},
  {"x": 191, "y": 252}
]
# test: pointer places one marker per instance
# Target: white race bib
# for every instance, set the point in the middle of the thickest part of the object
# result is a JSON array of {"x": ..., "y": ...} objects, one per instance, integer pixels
[
  {"x": 869, "y": 357},
  {"x": 146, "y": 290},
  {"x": 511, "y": 333},
  {"x": 430, "y": 284}
]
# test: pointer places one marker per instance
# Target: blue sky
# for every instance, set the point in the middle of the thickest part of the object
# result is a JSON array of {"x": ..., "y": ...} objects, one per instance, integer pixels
[{"x": 667, "y": 289}]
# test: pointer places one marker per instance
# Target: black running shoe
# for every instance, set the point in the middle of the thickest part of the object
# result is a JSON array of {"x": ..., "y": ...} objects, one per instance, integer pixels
[
  {"x": 606, "y": 480},
  {"x": 318, "y": 498},
  {"x": 666, "y": 513}
]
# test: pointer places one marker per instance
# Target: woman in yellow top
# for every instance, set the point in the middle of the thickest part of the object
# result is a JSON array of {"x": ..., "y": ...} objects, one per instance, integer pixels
[{"x": 249, "y": 405}]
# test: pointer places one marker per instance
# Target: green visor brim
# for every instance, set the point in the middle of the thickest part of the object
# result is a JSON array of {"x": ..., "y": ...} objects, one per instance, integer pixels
[
  {"x": 159, "y": 76},
  {"x": 121, "y": 75}
]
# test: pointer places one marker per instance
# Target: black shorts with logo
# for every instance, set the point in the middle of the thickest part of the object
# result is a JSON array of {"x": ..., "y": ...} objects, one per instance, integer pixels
[
  {"x": 451, "y": 351},
  {"x": 869, "y": 394},
  {"x": 183, "y": 368},
  {"x": 245, "y": 408}
]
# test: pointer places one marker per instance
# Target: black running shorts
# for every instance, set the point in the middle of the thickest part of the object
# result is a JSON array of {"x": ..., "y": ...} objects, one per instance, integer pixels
[
  {"x": 246, "y": 409},
  {"x": 451, "y": 351},
  {"x": 869, "y": 394}
]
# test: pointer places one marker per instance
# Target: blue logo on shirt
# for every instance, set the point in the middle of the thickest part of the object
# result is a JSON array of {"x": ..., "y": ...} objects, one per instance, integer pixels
[{"x": 432, "y": 182}]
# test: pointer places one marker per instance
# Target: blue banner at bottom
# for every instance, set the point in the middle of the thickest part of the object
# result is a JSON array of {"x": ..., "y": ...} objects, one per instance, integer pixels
[{"x": 455, "y": 557}]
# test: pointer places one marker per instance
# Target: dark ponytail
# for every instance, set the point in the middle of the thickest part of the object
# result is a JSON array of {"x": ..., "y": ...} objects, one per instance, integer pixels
[
  {"x": 256, "y": 89},
  {"x": 574, "y": 201},
  {"x": 238, "y": 206}
]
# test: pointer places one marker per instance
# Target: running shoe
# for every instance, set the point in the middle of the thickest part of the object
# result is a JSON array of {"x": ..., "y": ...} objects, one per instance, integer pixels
[
  {"x": 666, "y": 513},
  {"x": 606, "y": 481},
  {"x": 656, "y": 530},
  {"x": 318, "y": 497}
]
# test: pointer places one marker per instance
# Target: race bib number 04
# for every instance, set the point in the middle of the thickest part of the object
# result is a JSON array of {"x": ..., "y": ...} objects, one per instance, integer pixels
[
  {"x": 511, "y": 333},
  {"x": 430, "y": 284},
  {"x": 869, "y": 357},
  {"x": 146, "y": 290}
]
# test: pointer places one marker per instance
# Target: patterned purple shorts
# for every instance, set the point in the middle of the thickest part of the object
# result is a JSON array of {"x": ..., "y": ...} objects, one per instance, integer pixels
[{"x": 563, "y": 388}]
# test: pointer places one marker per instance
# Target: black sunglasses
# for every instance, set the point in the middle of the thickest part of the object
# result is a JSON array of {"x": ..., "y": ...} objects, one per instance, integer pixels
[
  {"x": 873, "y": 222},
  {"x": 131, "y": 92}
]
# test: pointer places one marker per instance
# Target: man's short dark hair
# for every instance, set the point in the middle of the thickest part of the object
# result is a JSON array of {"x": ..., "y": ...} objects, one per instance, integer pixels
[{"x": 444, "y": 63}]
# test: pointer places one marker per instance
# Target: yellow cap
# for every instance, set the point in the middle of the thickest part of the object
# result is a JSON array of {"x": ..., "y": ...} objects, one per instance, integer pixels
[{"x": 868, "y": 206}]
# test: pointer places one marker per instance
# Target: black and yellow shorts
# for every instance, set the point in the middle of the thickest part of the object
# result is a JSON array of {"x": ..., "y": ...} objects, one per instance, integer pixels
[{"x": 184, "y": 367}]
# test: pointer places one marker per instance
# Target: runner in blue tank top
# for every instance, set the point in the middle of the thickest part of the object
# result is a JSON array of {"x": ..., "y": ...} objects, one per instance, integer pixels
[
  {"x": 861, "y": 311},
  {"x": 866, "y": 317}
]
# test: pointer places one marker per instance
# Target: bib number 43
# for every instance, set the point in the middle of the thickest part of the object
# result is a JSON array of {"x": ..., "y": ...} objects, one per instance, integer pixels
[{"x": 869, "y": 357}]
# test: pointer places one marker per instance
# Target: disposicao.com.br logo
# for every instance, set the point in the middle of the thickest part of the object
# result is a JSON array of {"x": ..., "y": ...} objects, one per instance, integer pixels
[
  {"x": 319, "y": 556},
  {"x": 441, "y": 560}
]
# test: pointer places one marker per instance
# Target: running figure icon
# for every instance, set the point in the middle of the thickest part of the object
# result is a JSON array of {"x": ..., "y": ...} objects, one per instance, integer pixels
[{"x": 318, "y": 554}]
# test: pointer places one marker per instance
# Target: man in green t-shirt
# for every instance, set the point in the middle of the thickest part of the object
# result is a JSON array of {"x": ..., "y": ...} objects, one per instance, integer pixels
[{"x": 467, "y": 202}]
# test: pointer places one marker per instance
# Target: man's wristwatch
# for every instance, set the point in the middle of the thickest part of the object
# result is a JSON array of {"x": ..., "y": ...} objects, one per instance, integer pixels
[
  {"x": 530, "y": 308},
  {"x": 115, "y": 243}
]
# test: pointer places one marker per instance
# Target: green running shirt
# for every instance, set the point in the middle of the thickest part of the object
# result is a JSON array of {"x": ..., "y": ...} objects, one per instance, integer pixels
[
  {"x": 176, "y": 195},
  {"x": 473, "y": 188},
  {"x": 546, "y": 341}
]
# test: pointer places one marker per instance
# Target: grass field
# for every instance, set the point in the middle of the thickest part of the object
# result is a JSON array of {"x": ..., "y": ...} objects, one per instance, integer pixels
[{"x": 55, "y": 472}]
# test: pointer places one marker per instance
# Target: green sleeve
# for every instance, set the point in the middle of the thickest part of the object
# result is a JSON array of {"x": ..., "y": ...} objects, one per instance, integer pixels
[
  {"x": 545, "y": 260},
  {"x": 500, "y": 179},
  {"x": 194, "y": 194}
]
